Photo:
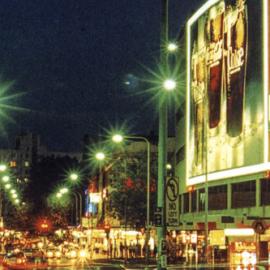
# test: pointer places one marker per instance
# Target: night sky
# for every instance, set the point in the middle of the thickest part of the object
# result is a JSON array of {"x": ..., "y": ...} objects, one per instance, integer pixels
[{"x": 71, "y": 58}]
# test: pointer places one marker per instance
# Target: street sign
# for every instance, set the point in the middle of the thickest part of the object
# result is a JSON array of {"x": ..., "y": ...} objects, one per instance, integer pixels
[{"x": 172, "y": 202}]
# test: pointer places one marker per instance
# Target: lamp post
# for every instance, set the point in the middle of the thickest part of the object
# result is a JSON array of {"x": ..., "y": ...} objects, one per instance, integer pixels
[
  {"x": 3, "y": 168},
  {"x": 78, "y": 201},
  {"x": 74, "y": 177},
  {"x": 79, "y": 216},
  {"x": 100, "y": 157},
  {"x": 117, "y": 138}
]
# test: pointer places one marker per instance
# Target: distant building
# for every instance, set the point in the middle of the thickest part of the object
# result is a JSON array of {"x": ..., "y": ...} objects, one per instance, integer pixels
[{"x": 26, "y": 152}]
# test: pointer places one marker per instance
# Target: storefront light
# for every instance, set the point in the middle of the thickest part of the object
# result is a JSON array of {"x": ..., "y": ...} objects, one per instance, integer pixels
[{"x": 239, "y": 232}]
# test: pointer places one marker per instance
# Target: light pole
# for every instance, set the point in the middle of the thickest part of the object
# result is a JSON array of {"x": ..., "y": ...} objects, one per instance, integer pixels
[
  {"x": 79, "y": 216},
  {"x": 100, "y": 157},
  {"x": 119, "y": 138},
  {"x": 78, "y": 201},
  {"x": 74, "y": 177},
  {"x": 3, "y": 168}
]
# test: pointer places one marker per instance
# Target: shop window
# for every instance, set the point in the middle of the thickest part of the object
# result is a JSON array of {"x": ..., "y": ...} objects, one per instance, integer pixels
[
  {"x": 201, "y": 199},
  {"x": 186, "y": 202},
  {"x": 244, "y": 194},
  {"x": 217, "y": 197},
  {"x": 12, "y": 164},
  {"x": 265, "y": 191}
]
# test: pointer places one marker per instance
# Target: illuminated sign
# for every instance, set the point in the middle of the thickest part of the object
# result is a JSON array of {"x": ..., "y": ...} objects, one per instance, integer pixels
[
  {"x": 95, "y": 197},
  {"x": 227, "y": 90},
  {"x": 239, "y": 232}
]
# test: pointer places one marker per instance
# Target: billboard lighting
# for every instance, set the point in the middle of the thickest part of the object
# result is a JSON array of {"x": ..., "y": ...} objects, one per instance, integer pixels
[{"x": 230, "y": 173}]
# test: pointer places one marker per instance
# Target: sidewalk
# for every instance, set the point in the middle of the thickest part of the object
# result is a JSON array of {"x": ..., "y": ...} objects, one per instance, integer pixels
[{"x": 108, "y": 264}]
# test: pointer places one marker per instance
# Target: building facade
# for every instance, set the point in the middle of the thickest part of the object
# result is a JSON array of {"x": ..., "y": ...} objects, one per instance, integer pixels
[{"x": 222, "y": 134}]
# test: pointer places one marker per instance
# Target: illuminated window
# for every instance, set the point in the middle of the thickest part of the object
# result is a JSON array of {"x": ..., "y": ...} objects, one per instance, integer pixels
[
  {"x": 26, "y": 163},
  {"x": 12, "y": 164},
  {"x": 201, "y": 199}
]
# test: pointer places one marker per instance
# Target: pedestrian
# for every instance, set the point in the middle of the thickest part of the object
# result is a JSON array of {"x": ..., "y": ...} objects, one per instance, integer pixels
[{"x": 121, "y": 250}]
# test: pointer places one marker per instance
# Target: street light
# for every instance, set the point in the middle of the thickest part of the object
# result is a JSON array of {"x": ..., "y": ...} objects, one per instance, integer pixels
[
  {"x": 63, "y": 190},
  {"x": 172, "y": 47},
  {"x": 100, "y": 156},
  {"x": 3, "y": 167},
  {"x": 169, "y": 85},
  {"x": 5, "y": 178},
  {"x": 59, "y": 195},
  {"x": 118, "y": 138},
  {"x": 7, "y": 186},
  {"x": 74, "y": 176}
]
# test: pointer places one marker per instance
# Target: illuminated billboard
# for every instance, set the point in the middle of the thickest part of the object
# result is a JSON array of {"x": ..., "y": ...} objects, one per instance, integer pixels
[{"x": 227, "y": 90}]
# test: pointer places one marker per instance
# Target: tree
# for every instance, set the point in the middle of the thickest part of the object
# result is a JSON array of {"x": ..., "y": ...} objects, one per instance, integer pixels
[
  {"x": 128, "y": 189},
  {"x": 44, "y": 178}
]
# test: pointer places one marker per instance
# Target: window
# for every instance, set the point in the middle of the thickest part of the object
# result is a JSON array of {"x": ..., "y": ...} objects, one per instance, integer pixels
[
  {"x": 265, "y": 191},
  {"x": 193, "y": 201},
  {"x": 185, "y": 202},
  {"x": 26, "y": 163},
  {"x": 244, "y": 194},
  {"x": 201, "y": 199},
  {"x": 12, "y": 164},
  {"x": 217, "y": 197}
]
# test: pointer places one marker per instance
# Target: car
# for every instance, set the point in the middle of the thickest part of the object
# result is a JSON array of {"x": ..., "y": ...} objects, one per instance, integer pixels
[{"x": 20, "y": 261}]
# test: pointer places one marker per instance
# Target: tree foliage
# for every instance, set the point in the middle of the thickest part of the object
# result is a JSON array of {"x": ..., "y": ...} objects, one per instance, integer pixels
[{"x": 128, "y": 190}]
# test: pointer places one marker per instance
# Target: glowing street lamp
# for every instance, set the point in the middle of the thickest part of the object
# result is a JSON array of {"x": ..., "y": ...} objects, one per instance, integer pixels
[
  {"x": 59, "y": 195},
  {"x": 100, "y": 156},
  {"x": 17, "y": 201},
  {"x": 74, "y": 176},
  {"x": 172, "y": 47},
  {"x": 117, "y": 138},
  {"x": 168, "y": 166},
  {"x": 5, "y": 178},
  {"x": 3, "y": 167},
  {"x": 169, "y": 85},
  {"x": 7, "y": 186},
  {"x": 63, "y": 190}
]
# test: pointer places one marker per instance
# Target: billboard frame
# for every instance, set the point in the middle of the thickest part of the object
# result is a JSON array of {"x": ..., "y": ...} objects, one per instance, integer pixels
[{"x": 239, "y": 171}]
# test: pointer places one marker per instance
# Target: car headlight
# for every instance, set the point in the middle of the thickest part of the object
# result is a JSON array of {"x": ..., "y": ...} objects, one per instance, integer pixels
[
  {"x": 50, "y": 254},
  {"x": 83, "y": 253},
  {"x": 58, "y": 254},
  {"x": 73, "y": 254}
]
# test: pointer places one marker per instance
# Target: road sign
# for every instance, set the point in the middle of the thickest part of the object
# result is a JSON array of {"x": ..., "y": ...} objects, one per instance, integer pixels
[{"x": 172, "y": 202}]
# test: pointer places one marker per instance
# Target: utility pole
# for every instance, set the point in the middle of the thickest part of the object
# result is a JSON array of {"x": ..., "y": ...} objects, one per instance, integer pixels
[{"x": 162, "y": 144}]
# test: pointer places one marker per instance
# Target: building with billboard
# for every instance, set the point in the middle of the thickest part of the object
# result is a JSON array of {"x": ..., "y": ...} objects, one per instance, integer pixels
[{"x": 223, "y": 161}]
